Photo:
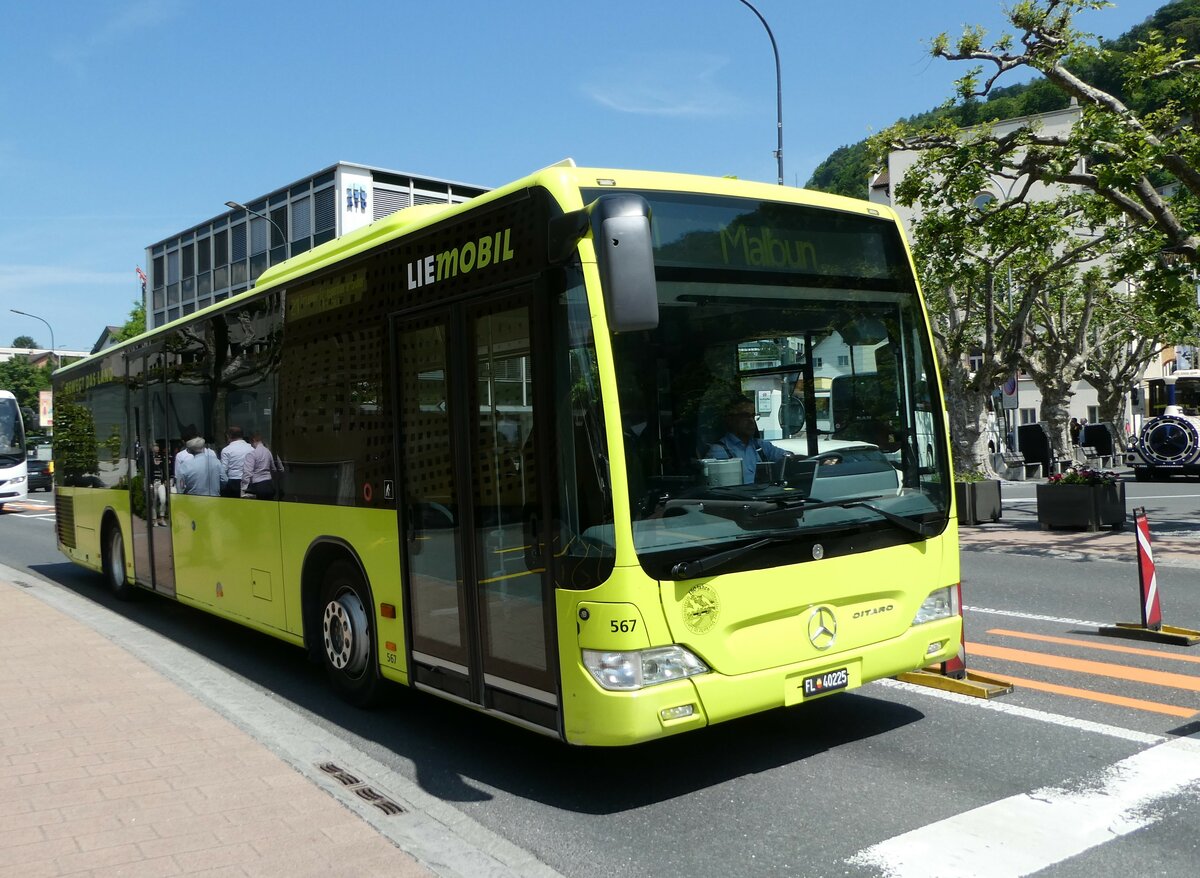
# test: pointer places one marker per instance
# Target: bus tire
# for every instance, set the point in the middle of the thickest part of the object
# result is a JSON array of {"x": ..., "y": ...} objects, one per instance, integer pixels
[
  {"x": 114, "y": 563},
  {"x": 347, "y": 634}
]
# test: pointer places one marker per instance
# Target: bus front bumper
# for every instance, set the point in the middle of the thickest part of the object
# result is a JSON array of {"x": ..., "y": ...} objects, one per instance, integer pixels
[{"x": 597, "y": 717}]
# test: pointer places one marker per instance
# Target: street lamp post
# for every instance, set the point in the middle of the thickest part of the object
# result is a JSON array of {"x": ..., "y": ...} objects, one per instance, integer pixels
[
  {"x": 53, "y": 348},
  {"x": 286, "y": 243},
  {"x": 778, "y": 87}
]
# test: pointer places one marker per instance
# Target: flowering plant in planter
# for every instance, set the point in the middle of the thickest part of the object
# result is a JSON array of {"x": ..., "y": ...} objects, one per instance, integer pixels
[
  {"x": 1083, "y": 476},
  {"x": 1082, "y": 497}
]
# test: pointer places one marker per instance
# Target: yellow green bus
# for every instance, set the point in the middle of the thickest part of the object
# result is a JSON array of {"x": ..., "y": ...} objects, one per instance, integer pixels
[{"x": 553, "y": 453}]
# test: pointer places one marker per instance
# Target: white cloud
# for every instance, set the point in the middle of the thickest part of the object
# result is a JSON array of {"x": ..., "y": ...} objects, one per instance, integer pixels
[
  {"x": 120, "y": 26},
  {"x": 665, "y": 84},
  {"x": 29, "y": 278}
]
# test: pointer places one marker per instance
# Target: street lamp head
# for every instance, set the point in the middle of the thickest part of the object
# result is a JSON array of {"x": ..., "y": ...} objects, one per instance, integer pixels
[{"x": 235, "y": 205}]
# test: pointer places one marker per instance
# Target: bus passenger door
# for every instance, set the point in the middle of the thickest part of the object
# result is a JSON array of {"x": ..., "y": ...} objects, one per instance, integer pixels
[
  {"x": 153, "y": 554},
  {"x": 473, "y": 507}
]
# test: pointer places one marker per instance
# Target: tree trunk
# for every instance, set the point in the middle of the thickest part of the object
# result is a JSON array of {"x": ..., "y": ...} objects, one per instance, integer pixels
[
  {"x": 1111, "y": 401},
  {"x": 969, "y": 429},
  {"x": 1056, "y": 414}
]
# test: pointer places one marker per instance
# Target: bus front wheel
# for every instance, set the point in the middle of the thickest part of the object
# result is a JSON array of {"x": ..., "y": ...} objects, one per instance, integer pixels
[
  {"x": 114, "y": 563},
  {"x": 348, "y": 637}
]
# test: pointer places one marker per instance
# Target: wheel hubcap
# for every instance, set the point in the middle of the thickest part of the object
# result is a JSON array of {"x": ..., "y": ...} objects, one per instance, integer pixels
[{"x": 345, "y": 630}]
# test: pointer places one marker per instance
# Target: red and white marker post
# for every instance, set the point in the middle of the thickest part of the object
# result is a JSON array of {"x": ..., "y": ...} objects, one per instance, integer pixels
[{"x": 1152, "y": 627}]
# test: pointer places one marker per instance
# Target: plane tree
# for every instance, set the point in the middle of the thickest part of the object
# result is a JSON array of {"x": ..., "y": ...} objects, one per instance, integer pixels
[{"x": 1117, "y": 191}]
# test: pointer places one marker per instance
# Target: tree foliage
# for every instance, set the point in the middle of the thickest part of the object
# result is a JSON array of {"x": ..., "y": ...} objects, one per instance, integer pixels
[
  {"x": 135, "y": 324},
  {"x": 1082, "y": 213},
  {"x": 24, "y": 341},
  {"x": 24, "y": 380},
  {"x": 846, "y": 170}
]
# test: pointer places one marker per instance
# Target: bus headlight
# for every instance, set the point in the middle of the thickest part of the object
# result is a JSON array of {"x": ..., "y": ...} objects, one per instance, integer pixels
[
  {"x": 939, "y": 605},
  {"x": 638, "y": 669}
]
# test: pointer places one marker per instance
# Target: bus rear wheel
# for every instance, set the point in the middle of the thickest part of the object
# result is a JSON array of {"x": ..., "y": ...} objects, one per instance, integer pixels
[
  {"x": 347, "y": 634},
  {"x": 114, "y": 563}
]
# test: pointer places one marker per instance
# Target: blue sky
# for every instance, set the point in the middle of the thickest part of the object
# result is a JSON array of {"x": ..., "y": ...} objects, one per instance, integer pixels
[{"x": 122, "y": 122}]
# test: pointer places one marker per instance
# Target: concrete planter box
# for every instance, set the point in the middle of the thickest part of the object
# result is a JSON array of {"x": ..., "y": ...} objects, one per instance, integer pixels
[
  {"x": 977, "y": 502},
  {"x": 1089, "y": 507}
]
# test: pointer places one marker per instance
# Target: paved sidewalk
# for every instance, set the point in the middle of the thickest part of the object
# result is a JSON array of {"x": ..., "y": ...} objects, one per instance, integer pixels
[
  {"x": 109, "y": 768},
  {"x": 1018, "y": 532}
]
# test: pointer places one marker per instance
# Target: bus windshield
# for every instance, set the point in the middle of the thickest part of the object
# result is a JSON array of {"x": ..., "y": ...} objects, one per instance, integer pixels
[
  {"x": 789, "y": 388},
  {"x": 12, "y": 434}
]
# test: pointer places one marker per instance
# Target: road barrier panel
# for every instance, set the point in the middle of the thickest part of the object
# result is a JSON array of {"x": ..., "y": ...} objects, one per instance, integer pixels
[
  {"x": 1151, "y": 627},
  {"x": 952, "y": 675}
]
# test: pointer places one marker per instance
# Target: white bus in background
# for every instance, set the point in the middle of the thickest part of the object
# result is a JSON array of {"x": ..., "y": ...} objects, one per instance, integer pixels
[{"x": 13, "y": 472}]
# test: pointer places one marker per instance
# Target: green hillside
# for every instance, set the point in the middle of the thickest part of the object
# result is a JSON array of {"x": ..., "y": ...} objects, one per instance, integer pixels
[{"x": 848, "y": 169}]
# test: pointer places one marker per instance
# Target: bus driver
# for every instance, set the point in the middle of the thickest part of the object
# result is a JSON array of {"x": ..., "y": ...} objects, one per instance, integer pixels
[{"x": 741, "y": 441}]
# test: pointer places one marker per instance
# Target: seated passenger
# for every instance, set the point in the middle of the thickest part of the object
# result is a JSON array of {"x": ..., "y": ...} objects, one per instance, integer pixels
[{"x": 741, "y": 442}]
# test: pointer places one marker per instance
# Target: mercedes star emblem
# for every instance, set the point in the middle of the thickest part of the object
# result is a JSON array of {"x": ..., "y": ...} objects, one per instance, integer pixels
[{"x": 822, "y": 628}]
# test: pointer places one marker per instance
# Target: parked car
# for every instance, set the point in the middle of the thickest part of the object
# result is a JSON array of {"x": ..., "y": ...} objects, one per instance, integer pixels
[{"x": 41, "y": 468}]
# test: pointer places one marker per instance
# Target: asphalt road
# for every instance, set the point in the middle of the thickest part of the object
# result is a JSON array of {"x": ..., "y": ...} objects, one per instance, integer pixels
[{"x": 1090, "y": 767}]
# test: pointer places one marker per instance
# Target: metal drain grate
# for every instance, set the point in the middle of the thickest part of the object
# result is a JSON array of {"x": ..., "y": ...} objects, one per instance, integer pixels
[{"x": 360, "y": 789}]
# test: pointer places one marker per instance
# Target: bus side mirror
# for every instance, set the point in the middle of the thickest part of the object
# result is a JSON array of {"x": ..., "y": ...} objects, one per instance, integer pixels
[{"x": 624, "y": 255}]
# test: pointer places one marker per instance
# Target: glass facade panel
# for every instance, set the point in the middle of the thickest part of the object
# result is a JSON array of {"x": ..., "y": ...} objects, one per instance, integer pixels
[
  {"x": 301, "y": 217},
  {"x": 258, "y": 264},
  {"x": 237, "y": 242},
  {"x": 279, "y": 230},
  {"x": 324, "y": 211},
  {"x": 220, "y": 249},
  {"x": 258, "y": 235}
]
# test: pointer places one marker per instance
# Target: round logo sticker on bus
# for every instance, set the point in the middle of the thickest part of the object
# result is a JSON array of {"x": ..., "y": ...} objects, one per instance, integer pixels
[{"x": 701, "y": 606}]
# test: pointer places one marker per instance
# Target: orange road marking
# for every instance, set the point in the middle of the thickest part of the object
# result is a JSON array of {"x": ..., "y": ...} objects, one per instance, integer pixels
[
  {"x": 1091, "y": 695},
  {"x": 1071, "y": 641},
  {"x": 1103, "y": 669}
]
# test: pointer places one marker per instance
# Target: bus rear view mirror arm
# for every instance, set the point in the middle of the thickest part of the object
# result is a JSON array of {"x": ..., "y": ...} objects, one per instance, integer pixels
[{"x": 620, "y": 225}]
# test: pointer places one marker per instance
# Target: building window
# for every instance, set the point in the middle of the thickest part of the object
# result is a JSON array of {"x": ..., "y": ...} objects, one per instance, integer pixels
[
  {"x": 1093, "y": 414},
  {"x": 220, "y": 249},
  {"x": 324, "y": 211},
  {"x": 203, "y": 255},
  {"x": 237, "y": 241},
  {"x": 1028, "y": 416},
  {"x": 258, "y": 236},
  {"x": 843, "y": 359}
]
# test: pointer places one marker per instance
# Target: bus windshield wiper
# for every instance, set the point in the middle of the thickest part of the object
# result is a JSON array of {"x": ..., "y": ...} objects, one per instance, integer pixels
[
  {"x": 690, "y": 569},
  {"x": 801, "y": 505}
]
